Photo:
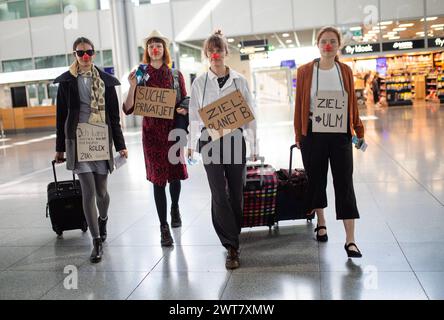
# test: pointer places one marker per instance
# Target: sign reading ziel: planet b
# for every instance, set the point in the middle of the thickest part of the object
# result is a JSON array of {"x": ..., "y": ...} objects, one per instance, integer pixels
[
  {"x": 226, "y": 114},
  {"x": 155, "y": 102},
  {"x": 330, "y": 112},
  {"x": 92, "y": 142}
]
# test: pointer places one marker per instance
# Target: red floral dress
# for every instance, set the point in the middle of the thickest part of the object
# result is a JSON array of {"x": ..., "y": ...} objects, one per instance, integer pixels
[{"x": 155, "y": 133}]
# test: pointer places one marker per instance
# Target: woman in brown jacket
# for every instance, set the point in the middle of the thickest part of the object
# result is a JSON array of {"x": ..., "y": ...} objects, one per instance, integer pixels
[{"x": 326, "y": 117}]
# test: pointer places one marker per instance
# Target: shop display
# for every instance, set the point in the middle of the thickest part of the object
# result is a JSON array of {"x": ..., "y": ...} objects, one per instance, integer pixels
[
  {"x": 399, "y": 89},
  {"x": 407, "y": 77}
]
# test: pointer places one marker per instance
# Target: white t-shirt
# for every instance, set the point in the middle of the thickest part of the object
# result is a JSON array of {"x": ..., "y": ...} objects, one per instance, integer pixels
[{"x": 328, "y": 81}]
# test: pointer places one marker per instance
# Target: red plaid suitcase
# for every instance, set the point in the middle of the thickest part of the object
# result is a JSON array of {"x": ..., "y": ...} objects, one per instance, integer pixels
[{"x": 260, "y": 191}]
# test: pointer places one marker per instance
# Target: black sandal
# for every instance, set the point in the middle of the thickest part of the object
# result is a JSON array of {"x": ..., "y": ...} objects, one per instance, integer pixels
[
  {"x": 324, "y": 237},
  {"x": 352, "y": 253}
]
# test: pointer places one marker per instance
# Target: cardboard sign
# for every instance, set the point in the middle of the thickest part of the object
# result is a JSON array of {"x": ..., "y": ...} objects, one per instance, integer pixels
[
  {"x": 226, "y": 115},
  {"x": 155, "y": 102},
  {"x": 330, "y": 112},
  {"x": 92, "y": 142}
]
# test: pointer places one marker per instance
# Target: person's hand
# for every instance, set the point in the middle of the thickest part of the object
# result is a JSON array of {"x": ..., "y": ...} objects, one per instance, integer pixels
[
  {"x": 59, "y": 157},
  {"x": 132, "y": 78},
  {"x": 182, "y": 111},
  {"x": 359, "y": 144},
  {"x": 124, "y": 153},
  {"x": 298, "y": 145},
  {"x": 190, "y": 153}
]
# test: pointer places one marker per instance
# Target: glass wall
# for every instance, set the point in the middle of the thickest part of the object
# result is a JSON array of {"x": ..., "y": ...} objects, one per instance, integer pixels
[
  {"x": 107, "y": 58},
  {"x": 50, "y": 62},
  {"x": 82, "y": 5},
  {"x": 52, "y": 92},
  {"x": 10, "y": 10},
  {"x": 44, "y": 7},
  {"x": 17, "y": 65},
  {"x": 36, "y": 94}
]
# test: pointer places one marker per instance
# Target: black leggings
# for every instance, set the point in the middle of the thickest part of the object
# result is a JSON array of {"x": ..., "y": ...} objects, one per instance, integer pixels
[{"x": 161, "y": 200}]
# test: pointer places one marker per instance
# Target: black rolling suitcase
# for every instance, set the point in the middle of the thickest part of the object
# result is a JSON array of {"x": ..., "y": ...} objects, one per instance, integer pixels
[
  {"x": 292, "y": 186},
  {"x": 64, "y": 205}
]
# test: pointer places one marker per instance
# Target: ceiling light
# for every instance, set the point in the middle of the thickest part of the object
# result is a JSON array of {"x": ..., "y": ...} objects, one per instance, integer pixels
[
  {"x": 355, "y": 28},
  {"x": 421, "y": 33},
  {"x": 285, "y": 35},
  {"x": 439, "y": 29},
  {"x": 430, "y": 18},
  {"x": 386, "y": 36},
  {"x": 406, "y": 25},
  {"x": 288, "y": 41},
  {"x": 394, "y": 38},
  {"x": 239, "y": 45},
  {"x": 230, "y": 40},
  {"x": 374, "y": 31},
  {"x": 291, "y": 46},
  {"x": 385, "y": 23},
  {"x": 437, "y": 25},
  {"x": 399, "y": 29},
  {"x": 392, "y": 32}
]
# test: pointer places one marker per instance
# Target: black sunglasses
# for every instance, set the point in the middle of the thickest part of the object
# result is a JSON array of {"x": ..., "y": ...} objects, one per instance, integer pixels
[{"x": 81, "y": 53}]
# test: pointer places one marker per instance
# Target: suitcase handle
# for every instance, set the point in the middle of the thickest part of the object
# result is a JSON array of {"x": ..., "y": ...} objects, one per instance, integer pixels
[
  {"x": 55, "y": 175},
  {"x": 291, "y": 160},
  {"x": 262, "y": 160}
]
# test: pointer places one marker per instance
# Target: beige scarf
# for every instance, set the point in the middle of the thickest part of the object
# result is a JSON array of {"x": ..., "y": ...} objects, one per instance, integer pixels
[{"x": 97, "y": 92}]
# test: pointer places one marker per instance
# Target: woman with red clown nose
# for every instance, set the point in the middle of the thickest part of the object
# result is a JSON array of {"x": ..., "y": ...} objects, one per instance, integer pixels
[
  {"x": 224, "y": 167},
  {"x": 155, "y": 72},
  {"x": 87, "y": 96},
  {"x": 326, "y": 117}
]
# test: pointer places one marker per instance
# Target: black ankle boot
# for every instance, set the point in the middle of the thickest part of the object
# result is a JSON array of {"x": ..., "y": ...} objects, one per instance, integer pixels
[
  {"x": 102, "y": 228},
  {"x": 96, "y": 254},
  {"x": 176, "y": 221},
  {"x": 165, "y": 236}
]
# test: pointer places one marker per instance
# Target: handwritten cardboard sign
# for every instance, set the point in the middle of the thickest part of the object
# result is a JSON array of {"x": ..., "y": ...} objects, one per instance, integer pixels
[
  {"x": 226, "y": 115},
  {"x": 330, "y": 112},
  {"x": 155, "y": 102},
  {"x": 92, "y": 142}
]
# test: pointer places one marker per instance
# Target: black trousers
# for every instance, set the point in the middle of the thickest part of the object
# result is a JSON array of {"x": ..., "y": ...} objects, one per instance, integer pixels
[
  {"x": 226, "y": 184},
  {"x": 318, "y": 149},
  {"x": 226, "y": 181}
]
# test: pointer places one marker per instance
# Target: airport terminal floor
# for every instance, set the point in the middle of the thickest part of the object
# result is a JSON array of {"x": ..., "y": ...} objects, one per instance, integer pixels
[{"x": 399, "y": 185}]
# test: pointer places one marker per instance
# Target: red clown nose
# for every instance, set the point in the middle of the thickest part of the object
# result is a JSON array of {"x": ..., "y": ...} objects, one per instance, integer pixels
[
  {"x": 328, "y": 47},
  {"x": 85, "y": 57},
  {"x": 155, "y": 51},
  {"x": 215, "y": 56}
]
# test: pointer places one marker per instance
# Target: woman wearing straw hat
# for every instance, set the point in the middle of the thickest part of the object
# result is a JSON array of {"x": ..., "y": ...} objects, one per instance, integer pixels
[{"x": 155, "y": 72}]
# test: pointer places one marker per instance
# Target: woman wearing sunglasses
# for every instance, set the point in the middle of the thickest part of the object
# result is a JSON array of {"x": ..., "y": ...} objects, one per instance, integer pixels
[
  {"x": 87, "y": 95},
  {"x": 155, "y": 72}
]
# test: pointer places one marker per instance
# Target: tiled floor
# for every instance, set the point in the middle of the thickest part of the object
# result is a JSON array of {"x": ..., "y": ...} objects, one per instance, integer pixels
[{"x": 399, "y": 183}]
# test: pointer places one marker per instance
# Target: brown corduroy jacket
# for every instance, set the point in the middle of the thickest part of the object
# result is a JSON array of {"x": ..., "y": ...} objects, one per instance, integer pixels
[{"x": 303, "y": 92}]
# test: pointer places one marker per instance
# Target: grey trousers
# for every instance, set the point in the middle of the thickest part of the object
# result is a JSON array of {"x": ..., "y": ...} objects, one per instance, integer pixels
[{"x": 226, "y": 184}]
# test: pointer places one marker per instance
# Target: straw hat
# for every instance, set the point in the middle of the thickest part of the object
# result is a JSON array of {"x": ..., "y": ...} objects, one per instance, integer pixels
[{"x": 155, "y": 34}]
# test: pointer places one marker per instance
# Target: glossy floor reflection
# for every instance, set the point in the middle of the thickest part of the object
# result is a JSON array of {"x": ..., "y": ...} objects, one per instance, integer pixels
[{"x": 399, "y": 183}]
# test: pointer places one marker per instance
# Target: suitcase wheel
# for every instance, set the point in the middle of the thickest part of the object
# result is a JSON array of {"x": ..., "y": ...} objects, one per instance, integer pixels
[
  {"x": 85, "y": 227},
  {"x": 59, "y": 233},
  {"x": 309, "y": 220}
]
